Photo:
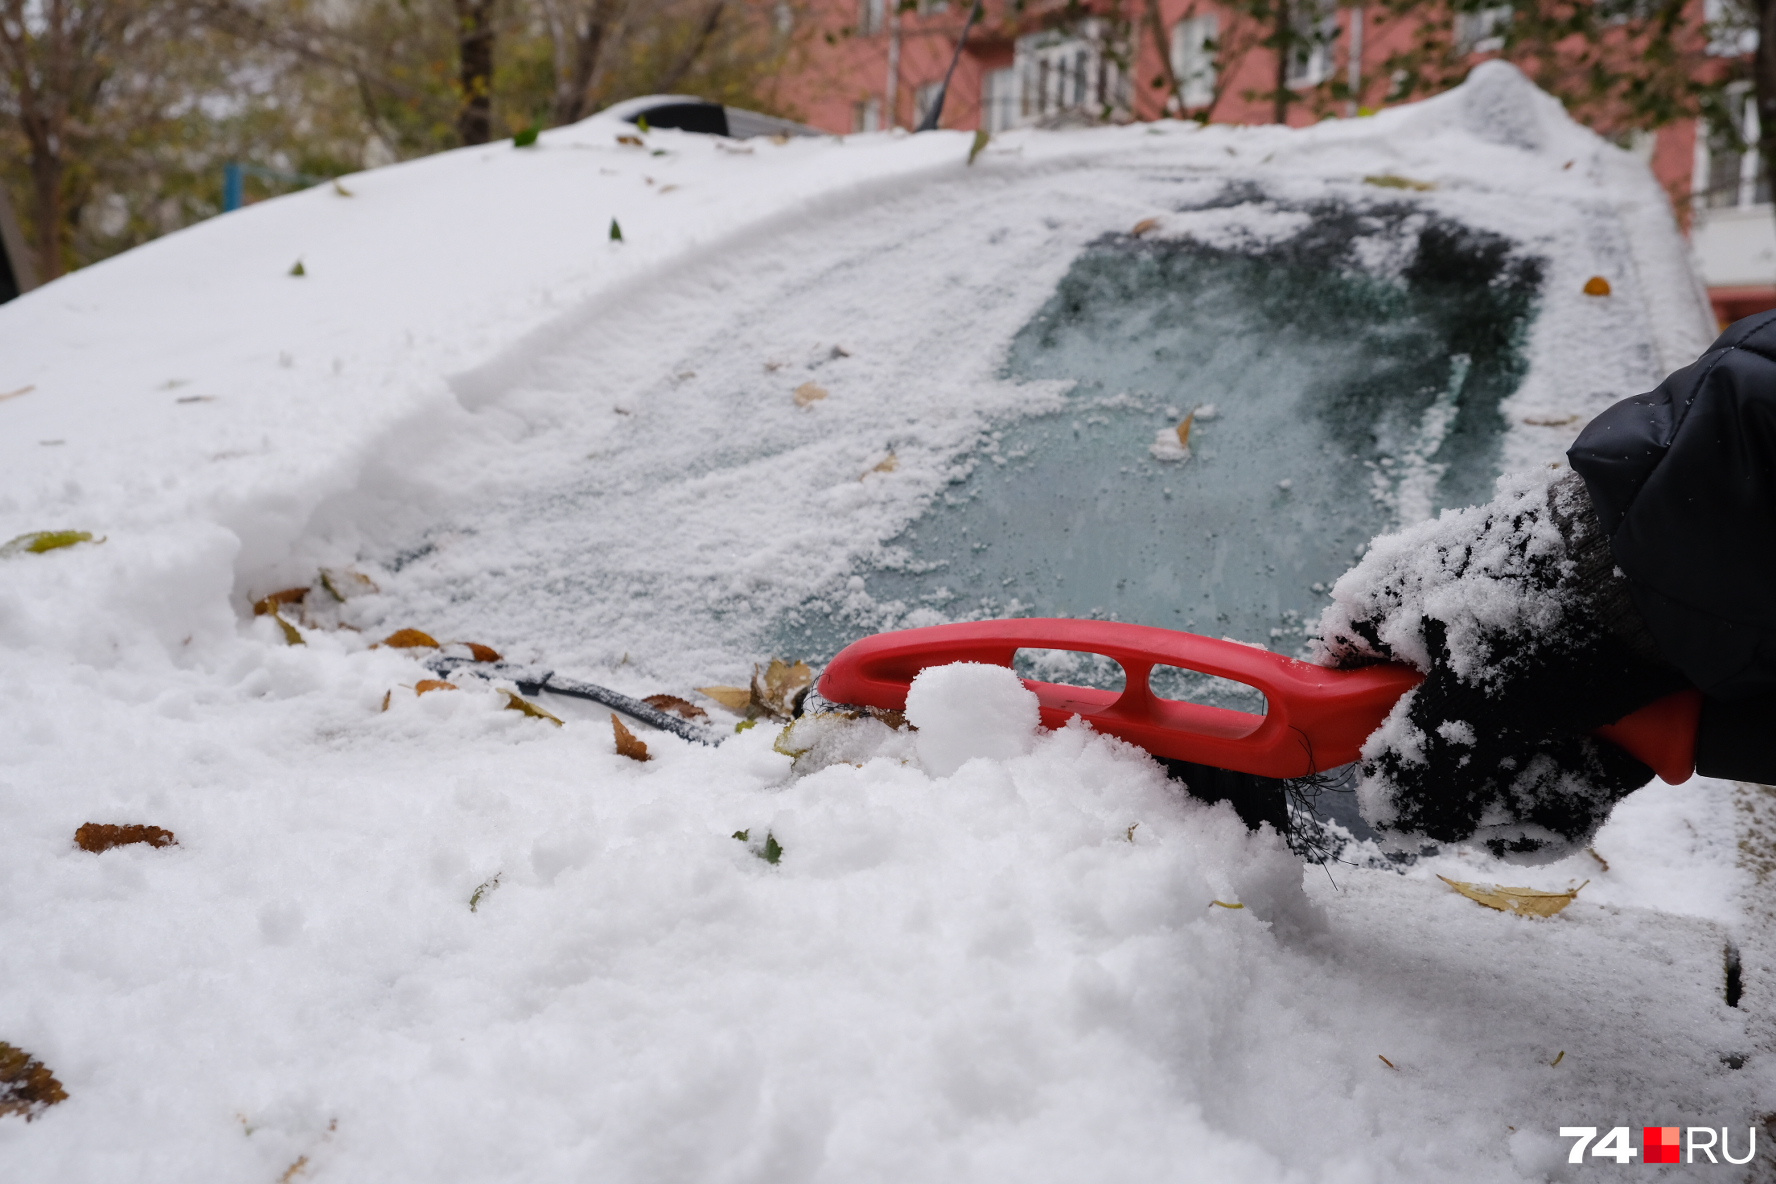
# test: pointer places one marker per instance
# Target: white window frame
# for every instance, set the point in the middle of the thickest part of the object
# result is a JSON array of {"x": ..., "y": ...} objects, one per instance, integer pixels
[
  {"x": 866, "y": 114},
  {"x": 1193, "y": 61},
  {"x": 1744, "y": 195},
  {"x": 1001, "y": 104},
  {"x": 1061, "y": 72},
  {"x": 871, "y": 16},
  {"x": 1482, "y": 31},
  {"x": 1316, "y": 23}
]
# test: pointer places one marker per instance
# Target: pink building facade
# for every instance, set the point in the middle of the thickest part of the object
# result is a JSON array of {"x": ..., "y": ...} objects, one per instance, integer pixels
[{"x": 874, "y": 66}]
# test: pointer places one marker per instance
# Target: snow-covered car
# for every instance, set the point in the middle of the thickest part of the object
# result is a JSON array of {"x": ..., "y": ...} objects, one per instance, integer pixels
[{"x": 652, "y": 408}]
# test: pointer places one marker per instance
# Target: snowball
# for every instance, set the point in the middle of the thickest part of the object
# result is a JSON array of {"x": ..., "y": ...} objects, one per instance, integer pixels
[{"x": 969, "y": 709}]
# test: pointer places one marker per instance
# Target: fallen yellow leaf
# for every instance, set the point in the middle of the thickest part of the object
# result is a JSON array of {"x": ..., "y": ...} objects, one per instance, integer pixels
[
  {"x": 888, "y": 465},
  {"x": 1597, "y": 286},
  {"x": 735, "y": 699},
  {"x": 515, "y": 703},
  {"x": 409, "y": 639},
  {"x": 1212, "y": 903},
  {"x": 482, "y": 653},
  {"x": 39, "y": 541},
  {"x": 628, "y": 744},
  {"x": 1144, "y": 225},
  {"x": 1391, "y": 181},
  {"x": 432, "y": 684},
  {"x": 808, "y": 393},
  {"x": 291, "y": 635},
  {"x": 1521, "y": 902}
]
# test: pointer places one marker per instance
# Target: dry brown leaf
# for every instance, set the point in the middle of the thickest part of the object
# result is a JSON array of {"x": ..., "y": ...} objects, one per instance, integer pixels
[
  {"x": 515, "y": 703},
  {"x": 432, "y": 684},
  {"x": 27, "y": 1087},
  {"x": 292, "y": 635},
  {"x": 781, "y": 684},
  {"x": 409, "y": 639},
  {"x": 809, "y": 393},
  {"x": 628, "y": 744},
  {"x": 102, "y": 836},
  {"x": 1144, "y": 225},
  {"x": 1212, "y": 903},
  {"x": 482, "y": 653},
  {"x": 775, "y": 692},
  {"x": 1183, "y": 430},
  {"x": 23, "y": 390},
  {"x": 294, "y": 1170},
  {"x": 386, "y": 697},
  {"x": 887, "y": 465},
  {"x": 677, "y": 706},
  {"x": 632, "y": 141},
  {"x": 894, "y": 719},
  {"x": 1389, "y": 1063},
  {"x": 735, "y": 699},
  {"x": 1521, "y": 902},
  {"x": 1597, "y": 286},
  {"x": 277, "y": 600}
]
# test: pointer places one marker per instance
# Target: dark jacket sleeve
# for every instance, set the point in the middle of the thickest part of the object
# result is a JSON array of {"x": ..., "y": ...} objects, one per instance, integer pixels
[{"x": 1684, "y": 483}]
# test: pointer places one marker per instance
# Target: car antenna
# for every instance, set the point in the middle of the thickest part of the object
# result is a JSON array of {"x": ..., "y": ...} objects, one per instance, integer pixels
[{"x": 929, "y": 123}]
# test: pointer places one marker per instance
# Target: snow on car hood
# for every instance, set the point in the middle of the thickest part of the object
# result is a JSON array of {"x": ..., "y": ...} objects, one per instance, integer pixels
[{"x": 406, "y": 936}]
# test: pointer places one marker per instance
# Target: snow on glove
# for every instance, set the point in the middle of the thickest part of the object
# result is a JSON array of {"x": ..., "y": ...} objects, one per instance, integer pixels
[{"x": 1516, "y": 614}]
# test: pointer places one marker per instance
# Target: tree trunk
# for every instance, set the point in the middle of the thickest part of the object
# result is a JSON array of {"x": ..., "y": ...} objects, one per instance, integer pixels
[
  {"x": 50, "y": 215},
  {"x": 474, "y": 41},
  {"x": 1285, "y": 45},
  {"x": 1175, "y": 89},
  {"x": 669, "y": 81},
  {"x": 573, "y": 91}
]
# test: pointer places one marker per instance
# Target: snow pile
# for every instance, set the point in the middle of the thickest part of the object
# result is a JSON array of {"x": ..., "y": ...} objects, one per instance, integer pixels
[
  {"x": 424, "y": 936},
  {"x": 967, "y": 711}
]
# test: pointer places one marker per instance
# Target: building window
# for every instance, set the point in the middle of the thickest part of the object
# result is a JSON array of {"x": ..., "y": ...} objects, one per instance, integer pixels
[
  {"x": 1193, "y": 58},
  {"x": 1057, "y": 72},
  {"x": 1729, "y": 169},
  {"x": 866, "y": 115},
  {"x": 999, "y": 100},
  {"x": 1316, "y": 28},
  {"x": 870, "y": 14},
  {"x": 1482, "y": 30}
]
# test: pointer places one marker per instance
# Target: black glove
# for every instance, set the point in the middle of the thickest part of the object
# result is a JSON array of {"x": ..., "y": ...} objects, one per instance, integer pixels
[{"x": 1524, "y": 629}]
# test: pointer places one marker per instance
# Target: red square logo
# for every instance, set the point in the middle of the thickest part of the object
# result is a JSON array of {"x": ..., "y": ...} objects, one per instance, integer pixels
[{"x": 1658, "y": 1144}]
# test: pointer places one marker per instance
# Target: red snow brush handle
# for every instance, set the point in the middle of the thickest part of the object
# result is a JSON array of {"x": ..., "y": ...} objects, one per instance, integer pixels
[{"x": 1317, "y": 718}]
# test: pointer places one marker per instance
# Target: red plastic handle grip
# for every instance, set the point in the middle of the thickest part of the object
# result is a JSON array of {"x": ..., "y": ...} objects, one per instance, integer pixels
[{"x": 1318, "y": 718}]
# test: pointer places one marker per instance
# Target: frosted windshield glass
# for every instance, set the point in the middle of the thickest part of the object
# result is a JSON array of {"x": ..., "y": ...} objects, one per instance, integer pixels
[{"x": 1341, "y": 382}]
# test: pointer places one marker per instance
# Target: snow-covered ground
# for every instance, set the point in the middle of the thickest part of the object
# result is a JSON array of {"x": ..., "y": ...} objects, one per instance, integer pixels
[{"x": 591, "y": 452}]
